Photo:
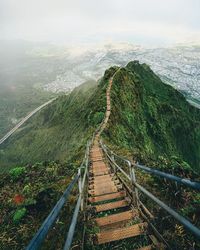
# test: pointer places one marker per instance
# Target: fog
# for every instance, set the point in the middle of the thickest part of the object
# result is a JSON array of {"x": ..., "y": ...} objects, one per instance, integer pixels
[{"x": 154, "y": 22}]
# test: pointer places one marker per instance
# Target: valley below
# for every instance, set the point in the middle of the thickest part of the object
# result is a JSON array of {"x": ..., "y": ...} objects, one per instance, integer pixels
[{"x": 32, "y": 73}]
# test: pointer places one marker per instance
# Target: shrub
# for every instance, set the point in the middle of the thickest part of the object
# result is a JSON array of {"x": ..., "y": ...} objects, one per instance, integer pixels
[
  {"x": 17, "y": 172},
  {"x": 18, "y": 215},
  {"x": 98, "y": 117}
]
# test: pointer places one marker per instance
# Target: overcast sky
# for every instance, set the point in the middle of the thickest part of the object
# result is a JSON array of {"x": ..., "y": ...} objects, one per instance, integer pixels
[{"x": 154, "y": 22}]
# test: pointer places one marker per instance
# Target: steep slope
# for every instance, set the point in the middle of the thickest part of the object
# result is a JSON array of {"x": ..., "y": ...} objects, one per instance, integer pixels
[
  {"x": 59, "y": 130},
  {"x": 151, "y": 119},
  {"x": 148, "y": 121}
]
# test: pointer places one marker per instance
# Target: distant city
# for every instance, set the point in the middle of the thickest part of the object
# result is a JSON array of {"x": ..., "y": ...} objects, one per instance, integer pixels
[{"x": 178, "y": 66}]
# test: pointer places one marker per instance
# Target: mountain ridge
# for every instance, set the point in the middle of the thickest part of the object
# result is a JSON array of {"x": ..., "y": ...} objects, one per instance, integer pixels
[{"x": 165, "y": 124}]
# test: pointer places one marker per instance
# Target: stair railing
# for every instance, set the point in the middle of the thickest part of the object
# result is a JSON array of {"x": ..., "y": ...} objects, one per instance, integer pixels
[
  {"x": 131, "y": 177},
  {"x": 191, "y": 184},
  {"x": 79, "y": 178}
]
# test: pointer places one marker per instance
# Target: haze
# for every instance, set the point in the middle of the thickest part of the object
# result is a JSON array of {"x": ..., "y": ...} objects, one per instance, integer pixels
[{"x": 146, "y": 22}]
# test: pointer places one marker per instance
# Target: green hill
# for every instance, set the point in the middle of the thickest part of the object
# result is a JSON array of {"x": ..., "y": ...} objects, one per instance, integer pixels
[
  {"x": 58, "y": 131},
  {"x": 149, "y": 119}
]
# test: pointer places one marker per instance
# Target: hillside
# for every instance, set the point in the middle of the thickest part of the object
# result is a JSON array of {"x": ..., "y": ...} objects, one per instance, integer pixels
[
  {"x": 150, "y": 120},
  {"x": 59, "y": 130}
]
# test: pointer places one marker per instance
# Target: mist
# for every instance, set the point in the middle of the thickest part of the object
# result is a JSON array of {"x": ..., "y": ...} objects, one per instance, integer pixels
[{"x": 77, "y": 22}]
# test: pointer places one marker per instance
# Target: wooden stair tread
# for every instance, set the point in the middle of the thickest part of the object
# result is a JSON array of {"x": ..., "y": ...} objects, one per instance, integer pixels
[
  {"x": 121, "y": 233},
  {"x": 100, "y": 173},
  {"x": 111, "y": 205},
  {"x": 98, "y": 168},
  {"x": 98, "y": 164},
  {"x": 107, "y": 197},
  {"x": 101, "y": 177},
  {"x": 96, "y": 158},
  {"x": 96, "y": 155},
  {"x": 115, "y": 218},
  {"x": 103, "y": 185},
  {"x": 103, "y": 180},
  {"x": 103, "y": 191},
  {"x": 99, "y": 185},
  {"x": 96, "y": 184}
]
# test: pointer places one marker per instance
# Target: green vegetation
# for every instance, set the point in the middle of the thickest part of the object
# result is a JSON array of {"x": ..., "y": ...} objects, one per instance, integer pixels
[
  {"x": 25, "y": 202},
  {"x": 151, "y": 119},
  {"x": 59, "y": 131},
  {"x": 14, "y": 105},
  {"x": 150, "y": 122},
  {"x": 18, "y": 215},
  {"x": 17, "y": 172}
]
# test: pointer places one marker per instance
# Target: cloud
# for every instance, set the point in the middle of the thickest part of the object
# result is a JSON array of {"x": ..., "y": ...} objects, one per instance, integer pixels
[{"x": 88, "y": 20}]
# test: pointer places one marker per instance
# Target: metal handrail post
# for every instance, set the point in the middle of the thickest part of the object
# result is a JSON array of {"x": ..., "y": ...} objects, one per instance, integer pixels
[
  {"x": 85, "y": 174},
  {"x": 133, "y": 181},
  {"x": 80, "y": 187},
  {"x": 113, "y": 159},
  {"x": 70, "y": 234}
]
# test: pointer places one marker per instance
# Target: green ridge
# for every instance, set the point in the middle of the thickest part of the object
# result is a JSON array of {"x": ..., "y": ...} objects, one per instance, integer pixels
[{"x": 151, "y": 119}]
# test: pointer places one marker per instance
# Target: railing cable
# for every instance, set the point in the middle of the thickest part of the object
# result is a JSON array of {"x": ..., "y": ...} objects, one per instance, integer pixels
[
  {"x": 178, "y": 217},
  {"x": 47, "y": 224},
  {"x": 192, "y": 184}
]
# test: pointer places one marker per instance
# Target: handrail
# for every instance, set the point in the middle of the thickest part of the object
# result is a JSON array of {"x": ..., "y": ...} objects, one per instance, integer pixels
[
  {"x": 195, "y": 230},
  {"x": 153, "y": 171},
  {"x": 47, "y": 224},
  {"x": 177, "y": 216},
  {"x": 187, "y": 182},
  {"x": 39, "y": 237},
  {"x": 70, "y": 234},
  {"x": 79, "y": 203}
]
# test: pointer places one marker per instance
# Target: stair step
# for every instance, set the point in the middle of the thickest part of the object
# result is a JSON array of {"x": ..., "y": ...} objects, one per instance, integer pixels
[
  {"x": 104, "y": 187},
  {"x": 107, "y": 197},
  {"x": 96, "y": 155},
  {"x": 103, "y": 180},
  {"x": 99, "y": 164},
  {"x": 102, "y": 192},
  {"x": 99, "y": 170},
  {"x": 105, "y": 190},
  {"x": 111, "y": 205},
  {"x": 94, "y": 159},
  {"x": 98, "y": 167},
  {"x": 115, "y": 218},
  {"x": 121, "y": 233},
  {"x": 101, "y": 177},
  {"x": 100, "y": 173},
  {"x": 95, "y": 150},
  {"x": 103, "y": 183}
]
